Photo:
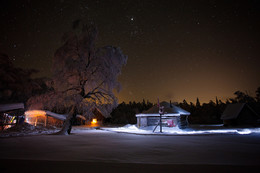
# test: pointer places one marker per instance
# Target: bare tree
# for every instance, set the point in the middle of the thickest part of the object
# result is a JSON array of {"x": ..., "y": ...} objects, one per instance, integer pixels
[{"x": 84, "y": 77}]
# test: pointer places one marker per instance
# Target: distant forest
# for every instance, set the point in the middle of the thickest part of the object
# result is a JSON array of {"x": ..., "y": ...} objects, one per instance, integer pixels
[{"x": 206, "y": 113}]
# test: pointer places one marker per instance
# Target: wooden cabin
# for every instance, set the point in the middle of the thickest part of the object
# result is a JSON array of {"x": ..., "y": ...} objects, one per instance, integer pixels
[
  {"x": 173, "y": 116},
  {"x": 11, "y": 114},
  {"x": 240, "y": 114}
]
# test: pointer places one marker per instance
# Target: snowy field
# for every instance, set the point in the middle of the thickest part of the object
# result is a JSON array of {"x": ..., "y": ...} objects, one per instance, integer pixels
[
  {"x": 29, "y": 130},
  {"x": 106, "y": 150},
  {"x": 193, "y": 130}
]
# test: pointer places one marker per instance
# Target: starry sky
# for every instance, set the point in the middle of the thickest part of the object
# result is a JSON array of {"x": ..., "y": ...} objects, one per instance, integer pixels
[{"x": 176, "y": 49}]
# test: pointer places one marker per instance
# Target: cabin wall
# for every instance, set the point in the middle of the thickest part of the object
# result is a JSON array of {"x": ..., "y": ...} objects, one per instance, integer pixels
[
  {"x": 43, "y": 120},
  {"x": 230, "y": 122},
  {"x": 141, "y": 121},
  {"x": 246, "y": 117},
  {"x": 183, "y": 121},
  {"x": 153, "y": 121}
]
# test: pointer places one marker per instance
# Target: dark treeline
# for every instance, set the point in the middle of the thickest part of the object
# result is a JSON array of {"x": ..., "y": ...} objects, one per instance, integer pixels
[
  {"x": 210, "y": 113},
  {"x": 125, "y": 113},
  {"x": 206, "y": 113},
  {"x": 17, "y": 84}
]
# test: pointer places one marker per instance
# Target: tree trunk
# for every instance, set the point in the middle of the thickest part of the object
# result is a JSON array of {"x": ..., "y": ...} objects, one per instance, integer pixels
[{"x": 66, "y": 128}]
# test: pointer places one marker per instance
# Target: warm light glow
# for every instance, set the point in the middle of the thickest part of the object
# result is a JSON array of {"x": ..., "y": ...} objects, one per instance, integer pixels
[
  {"x": 35, "y": 113},
  {"x": 94, "y": 121},
  {"x": 32, "y": 116}
]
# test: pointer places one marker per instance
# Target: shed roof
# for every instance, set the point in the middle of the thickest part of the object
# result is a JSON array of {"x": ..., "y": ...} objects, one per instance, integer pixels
[
  {"x": 10, "y": 107},
  {"x": 168, "y": 109},
  {"x": 233, "y": 110},
  {"x": 51, "y": 114}
]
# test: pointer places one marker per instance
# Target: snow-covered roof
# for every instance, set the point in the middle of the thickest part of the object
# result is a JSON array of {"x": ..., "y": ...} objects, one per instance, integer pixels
[
  {"x": 57, "y": 116},
  {"x": 9, "y": 107},
  {"x": 54, "y": 115},
  {"x": 169, "y": 109},
  {"x": 157, "y": 115},
  {"x": 62, "y": 116},
  {"x": 233, "y": 110}
]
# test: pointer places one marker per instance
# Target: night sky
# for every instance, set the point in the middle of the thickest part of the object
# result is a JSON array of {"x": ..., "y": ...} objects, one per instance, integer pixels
[{"x": 176, "y": 49}]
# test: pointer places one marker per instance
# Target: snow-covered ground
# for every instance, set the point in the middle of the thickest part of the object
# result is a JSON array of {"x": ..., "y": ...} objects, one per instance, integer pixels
[
  {"x": 93, "y": 145},
  {"x": 194, "y": 130},
  {"x": 27, "y": 130},
  {"x": 107, "y": 147}
]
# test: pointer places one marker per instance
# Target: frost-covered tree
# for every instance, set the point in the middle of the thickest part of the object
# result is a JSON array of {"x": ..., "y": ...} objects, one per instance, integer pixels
[{"x": 84, "y": 77}]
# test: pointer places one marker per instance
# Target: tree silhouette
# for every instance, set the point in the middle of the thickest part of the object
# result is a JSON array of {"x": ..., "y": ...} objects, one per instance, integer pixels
[
  {"x": 242, "y": 97},
  {"x": 16, "y": 84},
  {"x": 217, "y": 101},
  {"x": 258, "y": 94},
  {"x": 197, "y": 103}
]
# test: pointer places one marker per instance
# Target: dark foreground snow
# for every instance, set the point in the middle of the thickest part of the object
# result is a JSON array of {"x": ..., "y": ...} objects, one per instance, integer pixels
[
  {"x": 105, "y": 151},
  {"x": 26, "y": 129}
]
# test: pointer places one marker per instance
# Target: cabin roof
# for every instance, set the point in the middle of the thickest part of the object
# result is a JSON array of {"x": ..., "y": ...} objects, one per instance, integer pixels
[
  {"x": 168, "y": 109},
  {"x": 10, "y": 107},
  {"x": 233, "y": 110}
]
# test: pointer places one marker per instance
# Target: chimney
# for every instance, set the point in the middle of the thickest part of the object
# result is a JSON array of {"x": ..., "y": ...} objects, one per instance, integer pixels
[{"x": 171, "y": 104}]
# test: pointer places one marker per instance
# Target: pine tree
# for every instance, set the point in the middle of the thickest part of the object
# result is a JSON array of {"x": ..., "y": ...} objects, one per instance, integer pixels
[
  {"x": 217, "y": 103},
  {"x": 258, "y": 94},
  {"x": 197, "y": 103}
]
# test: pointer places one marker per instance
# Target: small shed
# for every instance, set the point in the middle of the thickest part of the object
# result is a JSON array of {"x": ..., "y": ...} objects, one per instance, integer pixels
[
  {"x": 43, "y": 116},
  {"x": 173, "y": 116},
  {"x": 11, "y": 114},
  {"x": 11, "y": 107},
  {"x": 239, "y": 114}
]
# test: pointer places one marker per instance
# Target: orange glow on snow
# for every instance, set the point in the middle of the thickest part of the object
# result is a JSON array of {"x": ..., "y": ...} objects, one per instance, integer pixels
[
  {"x": 35, "y": 113},
  {"x": 94, "y": 121},
  {"x": 32, "y": 116}
]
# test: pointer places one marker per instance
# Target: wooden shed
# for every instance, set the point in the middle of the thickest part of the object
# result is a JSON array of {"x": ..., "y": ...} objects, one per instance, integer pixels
[
  {"x": 11, "y": 114},
  {"x": 240, "y": 114},
  {"x": 173, "y": 116}
]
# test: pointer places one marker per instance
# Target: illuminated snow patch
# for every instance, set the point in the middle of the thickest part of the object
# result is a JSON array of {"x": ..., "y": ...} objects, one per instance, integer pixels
[
  {"x": 129, "y": 129},
  {"x": 244, "y": 132},
  {"x": 169, "y": 130}
]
